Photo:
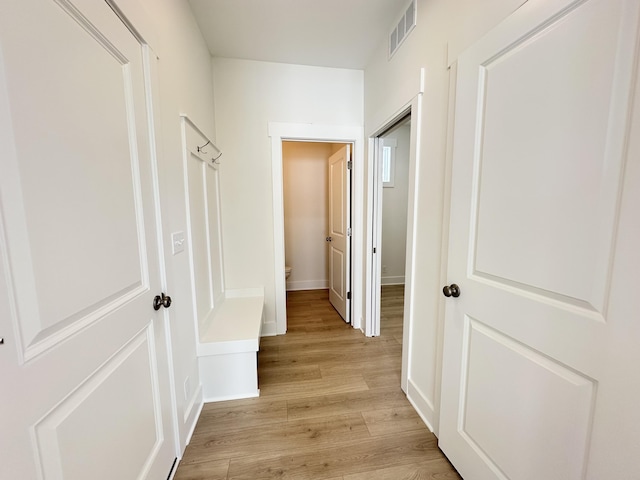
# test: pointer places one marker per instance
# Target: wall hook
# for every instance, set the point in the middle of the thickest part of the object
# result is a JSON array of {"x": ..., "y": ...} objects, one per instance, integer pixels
[{"x": 201, "y": 148}]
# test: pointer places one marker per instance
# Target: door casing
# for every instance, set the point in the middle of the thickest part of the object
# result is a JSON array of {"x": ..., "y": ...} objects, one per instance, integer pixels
[
  {"x": 374, "y": 220},
  {"x": 353, "y": 134}
]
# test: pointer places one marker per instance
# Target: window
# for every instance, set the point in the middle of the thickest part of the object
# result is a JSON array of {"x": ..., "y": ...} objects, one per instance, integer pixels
[{"x": 388, "y": 162}]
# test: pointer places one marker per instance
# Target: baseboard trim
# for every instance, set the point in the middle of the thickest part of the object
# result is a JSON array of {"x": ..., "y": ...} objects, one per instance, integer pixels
[
  {"x": 307, "y": 285},
  {"x": 198, "y": 410},
  {"x": 421, "y": 403},
  {"x": 269, "y": 329},
  {"x": 232, "y": 397},
  {"x": 399, "y": 280}
]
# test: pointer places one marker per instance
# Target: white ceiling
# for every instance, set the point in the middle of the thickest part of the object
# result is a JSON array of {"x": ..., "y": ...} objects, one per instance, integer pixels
[{"x": 328, "y": 33}]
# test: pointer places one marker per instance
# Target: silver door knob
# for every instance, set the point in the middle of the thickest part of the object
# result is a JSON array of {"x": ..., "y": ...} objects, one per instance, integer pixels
[{"x": 451, "y": 290}]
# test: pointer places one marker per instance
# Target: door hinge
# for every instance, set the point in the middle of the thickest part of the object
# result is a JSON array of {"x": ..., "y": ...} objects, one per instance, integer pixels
[
  {"x": 374, "y": 249},
  {"x": 349, "y": 165},
  {"x": 349, "y": 232},
  {"x": 348, "y": 295}
]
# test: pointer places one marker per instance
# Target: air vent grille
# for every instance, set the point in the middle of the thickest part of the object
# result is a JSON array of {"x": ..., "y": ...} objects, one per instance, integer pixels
[{"x": 402, "y": 29}]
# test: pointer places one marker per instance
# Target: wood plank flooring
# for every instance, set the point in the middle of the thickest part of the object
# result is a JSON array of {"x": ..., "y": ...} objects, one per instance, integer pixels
[{"x": 330, "y": 407}]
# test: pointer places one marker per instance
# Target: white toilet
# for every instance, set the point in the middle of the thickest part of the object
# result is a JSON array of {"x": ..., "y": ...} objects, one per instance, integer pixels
[{"x": 287, "y": 271}]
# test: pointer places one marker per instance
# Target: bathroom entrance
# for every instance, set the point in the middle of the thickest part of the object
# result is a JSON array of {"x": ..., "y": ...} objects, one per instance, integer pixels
[
  {"x": 317, "y": 219},
  {"x": 280, "y": 133}
]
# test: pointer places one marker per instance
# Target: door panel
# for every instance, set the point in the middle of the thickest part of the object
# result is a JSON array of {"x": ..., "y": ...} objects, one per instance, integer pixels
[
  {"x": 519, "y": 202},
  {"x": 496, "y": 363},
  {"x": 339, "y": 205},
  {"x": 85, "y": 352},
  {"x": 64, "y": 237},
  {"x": 337, "y": 268},
  {"x": 65, "y": 450},
  {"x": 542, "y": 112}
]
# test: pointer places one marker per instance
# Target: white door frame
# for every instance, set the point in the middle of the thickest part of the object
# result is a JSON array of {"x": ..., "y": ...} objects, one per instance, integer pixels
[
  {"x": 280, "y": 132},
  {"x": 373, "y": 297},
  {"x": 135, "y": 16},
  {"x": 374, "y": 216},
  {"x": 152, "y": 84}
]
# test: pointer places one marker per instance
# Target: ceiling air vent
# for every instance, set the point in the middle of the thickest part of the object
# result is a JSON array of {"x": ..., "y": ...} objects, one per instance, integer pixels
[{"x": 402, "y": 29}]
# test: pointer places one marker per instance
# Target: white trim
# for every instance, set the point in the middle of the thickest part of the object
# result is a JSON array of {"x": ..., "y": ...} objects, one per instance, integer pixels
[
  {"x": 372, "y": 290},
  {"x": 421, "y": 404},
  {"x": 397, "y": 280},
  {"x": 370, "y": 266},
  {"x": 135, "y": 15},
  {"x": 444, "y": 253},
  {"x": 152, "y": 83},
  {"x": 314, "y": 133},
  {"x": 308, "y": 285},
  {"x": 412, "y": 243},
  {"x": 194, "y": 414},
  {"x": 226, "y": 398},
  {"x": 376, "y": 220}
]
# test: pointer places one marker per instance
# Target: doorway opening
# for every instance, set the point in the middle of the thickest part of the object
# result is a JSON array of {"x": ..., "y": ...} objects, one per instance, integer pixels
[
  {"x": 393, "y": 168},
  {"x": 317, "y": 219},
  {"x": 390, "y": 210},
  {"x": 334, "y": 134}
]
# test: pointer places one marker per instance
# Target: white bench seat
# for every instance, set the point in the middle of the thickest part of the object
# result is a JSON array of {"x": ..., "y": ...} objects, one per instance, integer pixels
[{"x": 228, "y": 348}]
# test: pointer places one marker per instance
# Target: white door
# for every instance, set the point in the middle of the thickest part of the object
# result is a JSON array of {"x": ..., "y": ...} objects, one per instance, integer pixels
[
  {"x": 83, "y": 366},
  {"x": 540, "y": 371},
  {"x": 339, "y": 207},
  {"x": 376, "y": 220}
]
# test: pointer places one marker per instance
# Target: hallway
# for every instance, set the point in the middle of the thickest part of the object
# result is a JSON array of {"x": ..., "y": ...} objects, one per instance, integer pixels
[{"x": 330, "y": 407}]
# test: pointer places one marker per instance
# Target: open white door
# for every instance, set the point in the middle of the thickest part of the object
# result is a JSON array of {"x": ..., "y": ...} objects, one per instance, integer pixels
[
  {"x": 376, "y": 219},
  {"x": 339, "y": 207},
  {"x": 541, "y": 352},
  {"x": 83, "y": 365}
]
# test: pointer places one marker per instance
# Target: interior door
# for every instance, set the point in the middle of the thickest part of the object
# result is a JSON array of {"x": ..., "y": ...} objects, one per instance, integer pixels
[
  {"x": 339, "y": 208},
  {"x": 376, "y": 263},
  {"x": 83, "y": 364},
  {"x": 539, "y": 374}
]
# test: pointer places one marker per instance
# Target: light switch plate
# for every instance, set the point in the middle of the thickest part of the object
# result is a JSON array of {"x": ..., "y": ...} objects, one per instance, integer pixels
[{"x": 177, "y": 242}]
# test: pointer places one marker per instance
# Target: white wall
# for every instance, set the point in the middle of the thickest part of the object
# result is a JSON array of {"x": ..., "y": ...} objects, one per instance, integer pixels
[
  {"x": 184, "y": 77},
  {"x": 305, "y": 213},
  {"x": 394, "y": 211},
  {"x": 248, "y": 96},
  {"x": 443, "y": 29}
]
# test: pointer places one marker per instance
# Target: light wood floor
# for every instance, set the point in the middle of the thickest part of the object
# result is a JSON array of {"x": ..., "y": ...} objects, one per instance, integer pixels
[{"x": 330, "y": 407}]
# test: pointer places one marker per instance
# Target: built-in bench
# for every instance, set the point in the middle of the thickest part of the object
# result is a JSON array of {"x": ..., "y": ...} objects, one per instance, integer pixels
[{"x": 228, "y": 347}]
